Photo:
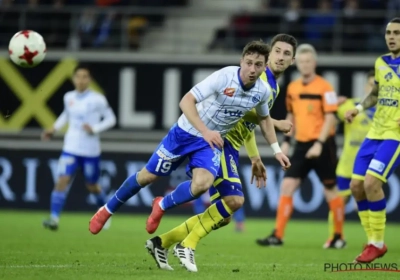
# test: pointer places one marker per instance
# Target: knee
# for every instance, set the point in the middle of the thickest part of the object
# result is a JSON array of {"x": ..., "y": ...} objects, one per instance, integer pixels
[
  {"x": 372, "y": 184},
  {"x": 289, "y": 186},
  {"x": 357, "y": 189},
  {"x": 144, "y": 177},
  {"x": 62, "y": 183},
  {"x": 201, "y": 182},
  {"x": 234, "y": 202}
]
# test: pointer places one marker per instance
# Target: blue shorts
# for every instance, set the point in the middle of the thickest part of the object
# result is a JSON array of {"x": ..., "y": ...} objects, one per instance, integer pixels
[
  {"x": 178, "y": 145},
  {"x": 343, "y": 185},
  {"x": 228, "y": 181},
  {"x": 68, "y": 163},
  {"x": 378, "y": 158}
]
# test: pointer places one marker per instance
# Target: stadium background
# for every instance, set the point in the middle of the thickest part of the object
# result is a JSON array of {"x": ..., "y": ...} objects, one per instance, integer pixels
[{"x": 144, "y": 56}]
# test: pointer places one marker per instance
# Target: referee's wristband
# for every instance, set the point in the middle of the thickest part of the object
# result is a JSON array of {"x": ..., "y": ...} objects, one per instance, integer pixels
[
  {"x": 360, "y": 108},
  {"x": 275, "y": 147}
]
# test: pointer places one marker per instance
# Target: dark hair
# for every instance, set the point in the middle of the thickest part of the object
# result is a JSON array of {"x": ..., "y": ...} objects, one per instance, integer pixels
[
  {"x": 370, "y": 74},
  {"x": 82, "y": 67},
  {"x": 286, "y": 38},
  {"x": 257, "y": 47},
  {"x": 395, "y": 20}
]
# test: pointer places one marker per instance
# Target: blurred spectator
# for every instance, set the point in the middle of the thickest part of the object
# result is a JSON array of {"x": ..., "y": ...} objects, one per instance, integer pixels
[
  {"x": 319, "y": 27},
  {"x": 352, "y": 25},
  {"x": 292, "y": 20}
]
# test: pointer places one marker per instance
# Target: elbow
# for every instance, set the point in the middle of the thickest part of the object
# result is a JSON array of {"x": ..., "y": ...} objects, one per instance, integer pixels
[{"x": 186, "y": 100}]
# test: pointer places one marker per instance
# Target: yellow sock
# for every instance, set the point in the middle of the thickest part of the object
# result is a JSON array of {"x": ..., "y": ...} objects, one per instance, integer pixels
[
  {"x": 365, "y": 222},
  {"x": 377, "y": 220},
  {"x": 330, "y": 225},
  {"x": 179, "y": 233},
  {"x": 211, "y": 219}
]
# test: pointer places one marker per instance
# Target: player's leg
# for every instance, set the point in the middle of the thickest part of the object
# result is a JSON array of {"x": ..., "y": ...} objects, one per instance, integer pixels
[
  {"x": 239, "y": 217},
  {"x": 325, "y": 167},
  {"x": 204, "y": 164},
  {"x": 291, "y": 181},
  {"x": 361, "y": 163},
  {"x": 166, "y": 158},
  {"x": 343, "y": 185},
  {"x": 385, "y": 161},
  {"x": 67, "y": 166}
]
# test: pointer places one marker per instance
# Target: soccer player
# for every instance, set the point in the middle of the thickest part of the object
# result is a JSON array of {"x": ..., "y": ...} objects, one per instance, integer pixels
[
  {"x": 311, "y": 101},
  {"x": 227, "y": 186},
  {"x": 354, "y": 134},
  {"x": 210, "y": 110},
  {"x": 378, "y": 156},
  {"x": 87, "y": 114}
]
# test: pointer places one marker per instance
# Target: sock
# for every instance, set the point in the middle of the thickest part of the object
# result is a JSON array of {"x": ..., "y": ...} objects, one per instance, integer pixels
[
  {"x": 57, "y": 201},
  {"x": 285, "y": 209},
  {"x": 180, "y": 195},
  {"x": 179, "y": 233},
  {"x": 363, "y": 213},
  {"x": 331, "y": 227},
  {"x": 128, "y": 189},
  {"x": 239, "y": 216},
  {"x": 336, "y": 205},
  {"x": 100, "y": 198},
  {"x": 198, "y": 206},
  {"x": 377, "y": 221},
  {"x": 212, "y": 217}
]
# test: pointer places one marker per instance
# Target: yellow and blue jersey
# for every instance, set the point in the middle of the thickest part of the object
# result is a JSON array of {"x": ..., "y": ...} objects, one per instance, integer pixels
[
  {"x": 387, "y": 77},
  {"x": 244, "y": 130},
  {"x": 354, "y": 135}
]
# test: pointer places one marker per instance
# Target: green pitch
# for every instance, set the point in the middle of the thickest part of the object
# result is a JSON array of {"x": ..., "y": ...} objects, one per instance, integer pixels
[{"x": 29, "y": 252}]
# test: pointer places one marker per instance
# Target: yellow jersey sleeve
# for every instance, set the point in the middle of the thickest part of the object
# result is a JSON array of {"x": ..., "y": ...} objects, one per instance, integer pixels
[
  {"x": 346, "y": 106},
  {"x": 251, "y": 145}
]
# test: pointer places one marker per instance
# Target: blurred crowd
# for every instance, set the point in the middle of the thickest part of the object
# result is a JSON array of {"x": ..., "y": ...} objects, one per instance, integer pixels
[{"x": 332, "y": 25}]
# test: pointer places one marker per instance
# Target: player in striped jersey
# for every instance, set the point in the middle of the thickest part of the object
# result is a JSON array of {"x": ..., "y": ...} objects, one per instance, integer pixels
[{"x": 227, "y": 186}]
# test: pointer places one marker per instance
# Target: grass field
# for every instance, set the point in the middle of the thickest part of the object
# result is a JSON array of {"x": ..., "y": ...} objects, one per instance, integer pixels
[{"x": 27, "y": 251}]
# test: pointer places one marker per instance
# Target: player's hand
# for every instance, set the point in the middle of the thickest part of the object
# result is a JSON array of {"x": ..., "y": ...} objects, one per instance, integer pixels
[
  {"x": 341, "y": 99},
  {"x": 283, "y": 160},
  {"x": 285, "y": 147},
  {"x": 87, "y": 128},
  {"x": 47, "y": 134},
  {"x": 284, "y": 126},
  {"x": 213, "y": 138},
  {"x": 314, "y": 151},
  {"x": 350, "y": 115},
  {"x": 258, "y": 173}
]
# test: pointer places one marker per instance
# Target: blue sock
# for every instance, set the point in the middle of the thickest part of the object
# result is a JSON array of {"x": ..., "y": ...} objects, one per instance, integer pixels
[
  {"x": 100, "y": 198},
  {"x": 198, "y": 206},
  {"x": 180, "y": 195},
  {"x": 128, "y": 189},
  {"x": 57, "y": 203},
  {"x": 239, "y": 216}
]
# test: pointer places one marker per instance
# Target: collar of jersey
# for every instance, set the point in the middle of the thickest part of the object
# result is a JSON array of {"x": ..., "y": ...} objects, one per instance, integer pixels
[
  {"x": 272, "y": 81},
  {"x": 242, "y": 84},
  {"x": 82, "y": 94}
]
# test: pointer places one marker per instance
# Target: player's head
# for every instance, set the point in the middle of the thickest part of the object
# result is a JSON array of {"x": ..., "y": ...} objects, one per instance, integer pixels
[
  {"x": 392, "y": 36},
  {"x": 81, "y": 77},
  {"x": 253, "y": 61},
  {"x": 370, "y": 81},
  {"x": 306, "y": 59},
  {"x": 283, "y": 49}
]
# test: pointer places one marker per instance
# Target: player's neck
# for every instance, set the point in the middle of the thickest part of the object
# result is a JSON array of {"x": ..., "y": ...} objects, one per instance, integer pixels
[
  {"x": 81, "y": 91},
  {"x": 308, "y": 78},
  {"x": 395, "y": 55},
  {"x": 276, "y": 75}
]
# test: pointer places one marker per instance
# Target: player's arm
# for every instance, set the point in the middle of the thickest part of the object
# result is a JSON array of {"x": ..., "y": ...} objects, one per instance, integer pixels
[
  {"x": 370, "y": 100},
  {"x": 60, "y": 122},
  {"x": 198, "y": 93},
  {"x": 281, "y": 125},
  {"x": 268, "y": 131},
  {"x": 109, "y": 120},
  {"x": 251, "y": 147},
  {"x": 330, "y": 106}
]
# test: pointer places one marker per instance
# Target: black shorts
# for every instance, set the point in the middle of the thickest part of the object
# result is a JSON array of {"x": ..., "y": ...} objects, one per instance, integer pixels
[{"x": 324, "y": 166}]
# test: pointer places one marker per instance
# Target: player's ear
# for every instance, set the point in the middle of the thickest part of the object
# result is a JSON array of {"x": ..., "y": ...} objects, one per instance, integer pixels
[{"x": 293, "y": 60}]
